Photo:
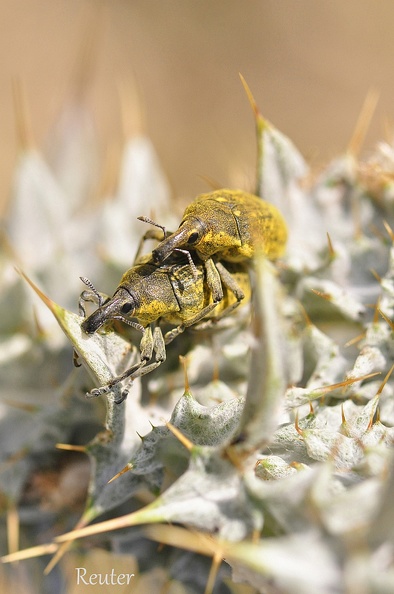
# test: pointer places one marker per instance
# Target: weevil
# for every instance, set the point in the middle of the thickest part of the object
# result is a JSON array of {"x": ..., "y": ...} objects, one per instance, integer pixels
[
  {"x": 229, "y": 225},
  {"x": 149, "y": 293}
]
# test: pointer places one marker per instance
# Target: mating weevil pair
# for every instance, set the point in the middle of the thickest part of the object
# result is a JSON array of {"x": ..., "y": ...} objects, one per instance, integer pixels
[{"x": 219, "y": 234}]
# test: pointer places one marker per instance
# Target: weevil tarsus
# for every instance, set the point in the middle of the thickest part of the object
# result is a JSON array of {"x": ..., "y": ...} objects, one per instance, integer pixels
[
  {"x": 213, "y": 280},
  {"x": 95, "y": 392},
  {"x": 151, "y": 344}
]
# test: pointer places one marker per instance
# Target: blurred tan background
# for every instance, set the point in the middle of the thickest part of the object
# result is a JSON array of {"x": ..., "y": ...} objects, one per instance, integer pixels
[{"x": 309, "y": 64}]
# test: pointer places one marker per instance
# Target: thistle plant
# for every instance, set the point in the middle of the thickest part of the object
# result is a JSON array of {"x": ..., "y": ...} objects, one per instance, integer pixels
[{"x": 266, "y": 453}]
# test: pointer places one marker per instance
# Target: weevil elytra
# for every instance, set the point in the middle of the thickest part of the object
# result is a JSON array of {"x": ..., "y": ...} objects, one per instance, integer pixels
[
  {"x": 148, "y": 293},
  {"x": 229, "y": 225}
]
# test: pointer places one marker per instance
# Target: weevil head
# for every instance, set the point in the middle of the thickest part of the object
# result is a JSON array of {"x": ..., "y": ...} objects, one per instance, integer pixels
[
  {"x": 122, "y": 304},
  {"x": 208, "y": 227},
  {"x": 188, "y": 236}
]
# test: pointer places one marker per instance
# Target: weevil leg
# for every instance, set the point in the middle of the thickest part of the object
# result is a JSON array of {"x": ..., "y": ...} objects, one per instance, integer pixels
[
  {"x": 76, "y": 359},
  {"x": 213, "y": 280},
  {"x": 95, "y": 392},
  {"x": 145, "y": 370},
  {"x": 204, "y": 325},
  {"x": 146, "y": 344},
  {"x": 150, "y": 343},
  {"x": 232, "y": 285},
  {"x": 229, "y": 282},
  {"x": 151, "y": 234},
  {"x": 153, "y": 343},
  {"x": 159, "y": 345},
  {"x": 169, "y": 336}
]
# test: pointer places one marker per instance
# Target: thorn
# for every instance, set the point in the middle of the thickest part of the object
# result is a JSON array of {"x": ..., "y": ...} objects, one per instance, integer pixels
[
  {"x": 389, "y": 230},
  {"x": 306, "y": 317},
  {"x": 311, "y": 409},
  {"x": 12, "y": 529},
  {"x": 386, "y": 319},
  {"x": 86, "y": 58},
  {"x": 213, "y": 572},
  {"x": 331, "y": 250},
  {"x": 250, "y": 97},
  {"x": 38, "y": 551},
  {"x": 22, "y": 116},
  {"x": 377, "y": 414},
  {"x": 38, "y": 326},
  {"x": 71, "y": 448},
  {"x": 179, "y": 435},
  {"x": 325, "y": 296},
  {"x": 326, "y": 389},
  {"x": 384, "y": 382},
  {"x": 109, "y": 177},
  {"x": 141, "y": 436},
  {"x": 376, "y": 312},
  {"x": 355, "y": 340},
  {"x": 129, "y": 466},
  {"x": 376, "y": 275},
  {"x": 183, "y": 362},
  {"x": 343, "y": 415},
  {"x": 64, "y": 547},
  {"x": 132, "y": 108},
  {"x": 363, "y": 122},
  {"x": 297, "y": 427},
  {"x": 215, "y": 371},
  {"x": 211, "y": 182}
]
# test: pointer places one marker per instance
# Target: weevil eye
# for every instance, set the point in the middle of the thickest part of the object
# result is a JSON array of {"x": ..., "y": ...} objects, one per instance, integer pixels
[
  {"x": 126, "y": 308},
  {"x": 193, "y": 238}
]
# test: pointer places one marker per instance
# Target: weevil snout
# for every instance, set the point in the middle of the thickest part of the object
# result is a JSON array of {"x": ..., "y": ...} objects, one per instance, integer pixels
[{"x": 120, "y": 305}]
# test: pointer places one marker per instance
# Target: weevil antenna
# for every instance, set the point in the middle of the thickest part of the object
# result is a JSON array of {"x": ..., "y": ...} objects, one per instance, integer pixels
[
  {"x": 91, "y": 286},
  {"x": 190, "y": 260},
  {"x": 150, "y": 222},
  {"x": 134, "y": 325}
]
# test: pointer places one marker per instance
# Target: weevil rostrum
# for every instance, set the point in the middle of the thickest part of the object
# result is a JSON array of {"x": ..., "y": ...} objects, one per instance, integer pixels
[
  {"x": 229, "y": 225},
  {"x": 174, "y": 292}
]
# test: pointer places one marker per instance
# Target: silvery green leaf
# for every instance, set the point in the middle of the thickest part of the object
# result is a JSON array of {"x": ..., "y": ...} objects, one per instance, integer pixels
[
  {"x": 280, "y": 164},
  {"x": 300, "y": 563},
  {"x": 264, "y": 397},
  {"x": 273, "y": 467},
  {"x": 210, "y": 495},
  {"x": 280, "y": 170},
  {"x": 38, "y": 209},
  {"x": 359, "y": 420},
  {"x": 324, "y": 366},
  {"x": 351, "y": 511},
  {"x": 335, "y": 298}
]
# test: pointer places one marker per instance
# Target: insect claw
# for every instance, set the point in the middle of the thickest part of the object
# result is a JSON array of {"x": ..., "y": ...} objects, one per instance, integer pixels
[
  {"x": 123, "y": 397},
  {"x": 96, "y": 392}
]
